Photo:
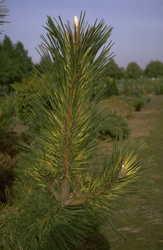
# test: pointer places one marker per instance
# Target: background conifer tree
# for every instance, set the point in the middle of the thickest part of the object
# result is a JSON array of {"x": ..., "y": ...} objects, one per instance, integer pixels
[
  {"x": 19, "y": 64},
  {"x": 64, "y": 187}
]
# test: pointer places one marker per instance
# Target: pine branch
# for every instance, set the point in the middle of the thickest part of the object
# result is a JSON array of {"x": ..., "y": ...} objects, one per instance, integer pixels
[
  {"x": 93, "y": 196},
  {"x": 76, "y": 202}
]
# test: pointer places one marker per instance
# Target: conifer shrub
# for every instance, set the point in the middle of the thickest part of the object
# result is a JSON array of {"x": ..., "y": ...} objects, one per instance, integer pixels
[
  {"x": 6, "y": 113},
  {"x": 146, "y": 98},
  {"x": 8, "y": 147},
  {"x": 119, "y": 104},
  {"x": 158, "y": 88},
  {"x": 136, "y": 87},
  {"x": 25, "y": 91},
  {"x": 137, "y": 102},
  {"x": 113, "y": 126},
  {"x": 111, "y": 88},
  {"x": 8, "y": 160},
  {"x": 129, "y": 88},
  {"x": 106, "y": 88}
]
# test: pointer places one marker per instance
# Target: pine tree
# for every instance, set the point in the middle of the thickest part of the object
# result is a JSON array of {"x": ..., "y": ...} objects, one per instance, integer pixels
[{"x": 64, "y": 188}]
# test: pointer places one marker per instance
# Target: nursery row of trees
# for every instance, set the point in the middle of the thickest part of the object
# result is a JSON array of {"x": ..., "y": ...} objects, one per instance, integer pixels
[{"x": 20, "y": 65}]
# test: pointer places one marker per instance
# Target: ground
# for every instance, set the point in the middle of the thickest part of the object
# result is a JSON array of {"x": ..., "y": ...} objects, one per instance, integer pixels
[{"x": 140, "y": 226}]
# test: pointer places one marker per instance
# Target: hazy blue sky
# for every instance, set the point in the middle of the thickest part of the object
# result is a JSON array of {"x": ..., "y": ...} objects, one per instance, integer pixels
[{"x": 137, "y": 33}]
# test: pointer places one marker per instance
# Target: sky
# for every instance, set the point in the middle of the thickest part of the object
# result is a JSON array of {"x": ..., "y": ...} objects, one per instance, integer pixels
[{"x": 137, "y": 25}]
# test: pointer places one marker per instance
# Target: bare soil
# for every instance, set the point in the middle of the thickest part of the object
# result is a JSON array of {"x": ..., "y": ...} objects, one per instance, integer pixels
[{"x": 139, "y": 122}]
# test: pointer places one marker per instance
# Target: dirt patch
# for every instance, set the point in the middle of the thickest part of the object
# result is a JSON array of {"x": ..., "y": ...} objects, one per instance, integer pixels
[{"x": 139, "y": 122}]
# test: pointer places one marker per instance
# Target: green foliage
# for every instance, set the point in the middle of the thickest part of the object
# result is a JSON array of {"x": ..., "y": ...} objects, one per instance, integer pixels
[
  {"x": 42, "y": 65},
  {"x": 4, "y": 65},
  {"x": 113, "y": 70},
  {"x": 136, "y": 92},
  {"x": 19, "y": 64},
  {"x": 119, "y": 104},
  {"x": 136, "y": 87},
  {"x": 154, "y": 69},
  {"x": 25, "y": 91},
  {"x": 137, "y": 102},
  {"x": 158, "y": 88},
  {"x": 111, "y": 88},
  {"x": 8, "y": 159},
  {"x": 113, "y": 126},
  {"x": 62, "y": 193},
  {"x": 133, "y": 71},
  {"x": 6, "y": 172},
  {"x": 131, "y": 88},
  {"x": 105, "y": 89},
  {"x": 6, "y": 112}
]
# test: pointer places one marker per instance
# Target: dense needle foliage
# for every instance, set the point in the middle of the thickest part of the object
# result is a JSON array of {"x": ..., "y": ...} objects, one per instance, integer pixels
[{"x": 64, "y": 189}]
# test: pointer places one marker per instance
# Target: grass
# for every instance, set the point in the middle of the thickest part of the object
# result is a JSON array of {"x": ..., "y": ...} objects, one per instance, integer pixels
[{"x": 141, "y": 225}]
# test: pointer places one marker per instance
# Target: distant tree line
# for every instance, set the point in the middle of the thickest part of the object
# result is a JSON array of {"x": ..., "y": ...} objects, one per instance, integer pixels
[
  {"x": 19, "y": 66},
  {"x": 154, "y": 69}
]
